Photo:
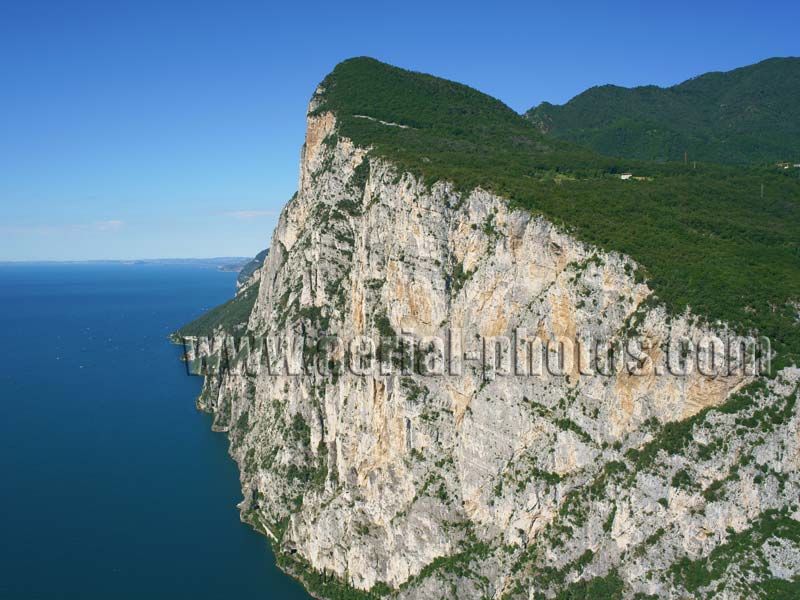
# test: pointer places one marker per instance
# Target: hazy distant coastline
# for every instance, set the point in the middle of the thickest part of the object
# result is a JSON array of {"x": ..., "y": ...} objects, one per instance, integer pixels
[{"x": 223, "y": 263}]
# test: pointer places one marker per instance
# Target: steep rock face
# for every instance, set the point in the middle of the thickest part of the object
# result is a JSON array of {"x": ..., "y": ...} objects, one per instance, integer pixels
[{"x": 477, "y": 484}]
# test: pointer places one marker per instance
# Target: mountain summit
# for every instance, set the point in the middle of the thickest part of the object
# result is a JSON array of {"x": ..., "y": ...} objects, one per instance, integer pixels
[{"x": 433, "y": 225}]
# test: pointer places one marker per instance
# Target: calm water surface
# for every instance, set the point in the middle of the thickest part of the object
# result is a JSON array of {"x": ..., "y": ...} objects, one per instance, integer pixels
[{"x": 111, "y": 483}]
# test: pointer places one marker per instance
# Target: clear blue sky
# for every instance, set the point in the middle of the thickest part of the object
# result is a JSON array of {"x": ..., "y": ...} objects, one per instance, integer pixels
[{"x": 173, "y": 129}]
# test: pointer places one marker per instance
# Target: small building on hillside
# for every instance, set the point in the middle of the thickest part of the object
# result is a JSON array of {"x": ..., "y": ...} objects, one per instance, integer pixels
[{"x": 626, "y": 176}]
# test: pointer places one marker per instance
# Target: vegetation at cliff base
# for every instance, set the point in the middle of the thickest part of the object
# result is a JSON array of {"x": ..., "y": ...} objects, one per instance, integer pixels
[
  {"x": 230, "y": 317},
  {"x": 723, "y": 240}
]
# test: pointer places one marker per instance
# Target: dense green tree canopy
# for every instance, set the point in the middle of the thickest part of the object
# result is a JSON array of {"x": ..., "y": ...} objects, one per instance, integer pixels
[{"x": 748, "y": 115}]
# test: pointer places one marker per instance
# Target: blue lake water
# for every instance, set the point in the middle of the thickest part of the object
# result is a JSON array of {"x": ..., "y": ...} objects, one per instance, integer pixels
[{"x": 111, "y": 483}]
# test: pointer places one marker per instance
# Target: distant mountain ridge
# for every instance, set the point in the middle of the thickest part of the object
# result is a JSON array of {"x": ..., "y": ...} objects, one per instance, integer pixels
[{"x": 747, "y": 115}]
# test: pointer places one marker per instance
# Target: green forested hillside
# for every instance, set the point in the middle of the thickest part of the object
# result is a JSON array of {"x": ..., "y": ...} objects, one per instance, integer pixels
[
  {"x": 748, "y": 115},
  {"x": 230, "y": 317},
  {"x": 250, "y": 268},
  {"x": 705, "y": 236}
]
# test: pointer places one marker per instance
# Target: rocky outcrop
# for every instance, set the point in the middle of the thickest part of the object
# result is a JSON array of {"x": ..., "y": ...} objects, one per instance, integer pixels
[{"x": 498, "y": 479}]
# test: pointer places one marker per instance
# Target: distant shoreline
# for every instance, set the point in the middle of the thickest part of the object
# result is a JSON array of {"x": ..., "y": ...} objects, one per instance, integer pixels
[{"x": 225, "y": 263}]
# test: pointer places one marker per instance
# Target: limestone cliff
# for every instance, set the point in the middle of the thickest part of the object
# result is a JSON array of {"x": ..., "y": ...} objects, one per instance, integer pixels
[{"x": 495, "y": 485}]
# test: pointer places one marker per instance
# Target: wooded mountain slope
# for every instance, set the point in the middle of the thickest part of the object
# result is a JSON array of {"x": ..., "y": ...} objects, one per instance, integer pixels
[{"x": 748, "y": 115}]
